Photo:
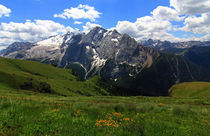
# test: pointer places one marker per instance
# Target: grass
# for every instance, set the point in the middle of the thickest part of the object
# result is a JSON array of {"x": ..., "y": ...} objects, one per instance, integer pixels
[
  {"x": 29, "y": 75},
  {"x": 30, "y": 113},
  {"x": 191, "y": 89}
]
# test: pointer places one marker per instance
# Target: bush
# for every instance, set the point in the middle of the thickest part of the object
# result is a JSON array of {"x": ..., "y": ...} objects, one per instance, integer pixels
[
  {"x": 44, "y": 87},
  {"x": 27, "y": 86}
]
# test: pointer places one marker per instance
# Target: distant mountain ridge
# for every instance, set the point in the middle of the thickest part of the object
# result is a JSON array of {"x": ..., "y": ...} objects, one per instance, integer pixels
[
  {"x": 195, "y": 51},
  {"x": 134, "y": 68},
  {"x": 167, "y": 45}
]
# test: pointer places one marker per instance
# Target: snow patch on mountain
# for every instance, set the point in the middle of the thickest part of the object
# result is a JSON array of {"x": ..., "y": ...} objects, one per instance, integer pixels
[
  {"x": 115, "y": 40},
  {"x": 53, "y": 42}
]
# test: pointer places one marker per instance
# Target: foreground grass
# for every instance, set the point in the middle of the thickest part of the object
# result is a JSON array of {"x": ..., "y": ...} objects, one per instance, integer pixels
[{"x": 35, "y": 114}]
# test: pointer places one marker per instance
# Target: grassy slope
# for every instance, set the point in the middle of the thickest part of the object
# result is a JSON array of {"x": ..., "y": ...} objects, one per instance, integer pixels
[
  {"x": 191, "y": 89},
  {"x": 16, "y": 73}
]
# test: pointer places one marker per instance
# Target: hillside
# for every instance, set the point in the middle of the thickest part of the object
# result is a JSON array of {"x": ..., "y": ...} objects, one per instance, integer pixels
[
  {"x": 198, "y": 55},
  {"x": 196, "y": 52},
  {"x": 28, "y": 75},
  {"x": 165, "y": 71},
  {"x": 115, "y": 57},
  {"x": 191, "y": 89}
]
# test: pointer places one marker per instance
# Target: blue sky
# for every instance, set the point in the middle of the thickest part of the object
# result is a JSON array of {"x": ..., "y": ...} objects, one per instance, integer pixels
[
  {"x": 173, "y": 20},
  {"x": 112, "y": 10}
]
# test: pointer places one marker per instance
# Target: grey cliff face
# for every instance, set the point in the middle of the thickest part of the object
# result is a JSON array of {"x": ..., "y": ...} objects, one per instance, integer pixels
[
  {"x": 99, "y": 52},
  {"x": 17, "y": 50}
]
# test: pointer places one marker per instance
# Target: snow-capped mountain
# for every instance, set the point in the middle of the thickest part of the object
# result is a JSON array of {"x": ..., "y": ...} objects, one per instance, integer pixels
[
  {"x": 90, "y": 51},
  {"x": 137, "y": 69},
  {"x": 165, "y": 45}
]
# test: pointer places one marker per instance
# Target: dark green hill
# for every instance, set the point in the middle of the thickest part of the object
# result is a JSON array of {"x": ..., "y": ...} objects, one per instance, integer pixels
[
  {"x": 195, "y": 54},
  {"x": 198, "y": 55},
  {"x": 28, "y": 75}
]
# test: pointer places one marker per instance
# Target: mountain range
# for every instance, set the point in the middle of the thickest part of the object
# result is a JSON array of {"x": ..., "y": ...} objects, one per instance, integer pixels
[
  {"x": 169, "y": 46},
  {"x": 134, "y": 68}
]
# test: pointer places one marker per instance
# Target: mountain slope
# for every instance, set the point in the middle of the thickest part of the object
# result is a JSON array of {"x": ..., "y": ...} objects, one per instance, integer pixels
[
  {"x": 198, "y": 55},
  {"x": 166, "y": 71},
  {"x": 89, "y": 52},
  {"x": 117, "y": 58},
  {"x": 195, "y": 51},
  {"x": 28, "y": 75}
]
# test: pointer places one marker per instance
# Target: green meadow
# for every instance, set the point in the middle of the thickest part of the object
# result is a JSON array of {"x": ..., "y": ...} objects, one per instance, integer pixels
[
  {"x": 41, "y": 100},
  {"x": 40, "y": 115}
]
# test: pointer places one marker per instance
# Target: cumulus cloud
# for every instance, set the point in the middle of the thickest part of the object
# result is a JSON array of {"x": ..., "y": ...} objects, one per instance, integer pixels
[
  {"x": 198, "y": 16},
  {"x": 156, "y": 26},
  {"x": 29, "y": 31},
  {"x": 89, "y": 26},
  {"x": 198, "y": 25},
  {"x": 191, "y": 7},
  {"x": 166, "y": 13},
  {"x": 145, "y": 28},
  {"x": 194, "y": 14},
  {"x": 4, "y": 11},
  {"x": 80, "y": 12}
]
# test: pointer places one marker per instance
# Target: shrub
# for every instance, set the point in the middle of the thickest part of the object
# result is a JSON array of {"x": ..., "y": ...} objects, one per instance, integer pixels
[
  {"x": 44, "y": 87},
  {"x": 27, "y": 86}
]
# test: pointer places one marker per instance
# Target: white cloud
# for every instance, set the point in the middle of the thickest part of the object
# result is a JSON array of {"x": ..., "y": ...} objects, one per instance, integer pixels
[
  {"x": 166, "y": 13},
  {"x": 2, "y": 47},
  {"x": 29, "y": 31},
  {"x": 156, "y": 26},
  {"x": 191, "y": 7},
  {"x": 89, "y": 26},
  {"x": 205, "y": 37},
  {"x": 145, "y": 28},
  {"x": 198, "y": 16},
  {"x": 78, "y": 22},
  {"x": 193, "y": 38},
  {"x": 80, "y": 12},
  {"x": 194, "y": 13},
  {"x": 4, "y": 11},
  {"x": 198, "y": 25}
]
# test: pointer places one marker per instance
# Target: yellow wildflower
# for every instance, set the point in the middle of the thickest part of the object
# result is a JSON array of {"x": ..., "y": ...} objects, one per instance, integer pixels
[
  {"x": 126, "y": 119},
  {"x": 161, "y": 104},
  {"x": 54, "y": 110},
  {"x": 117, "y": 114}
]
